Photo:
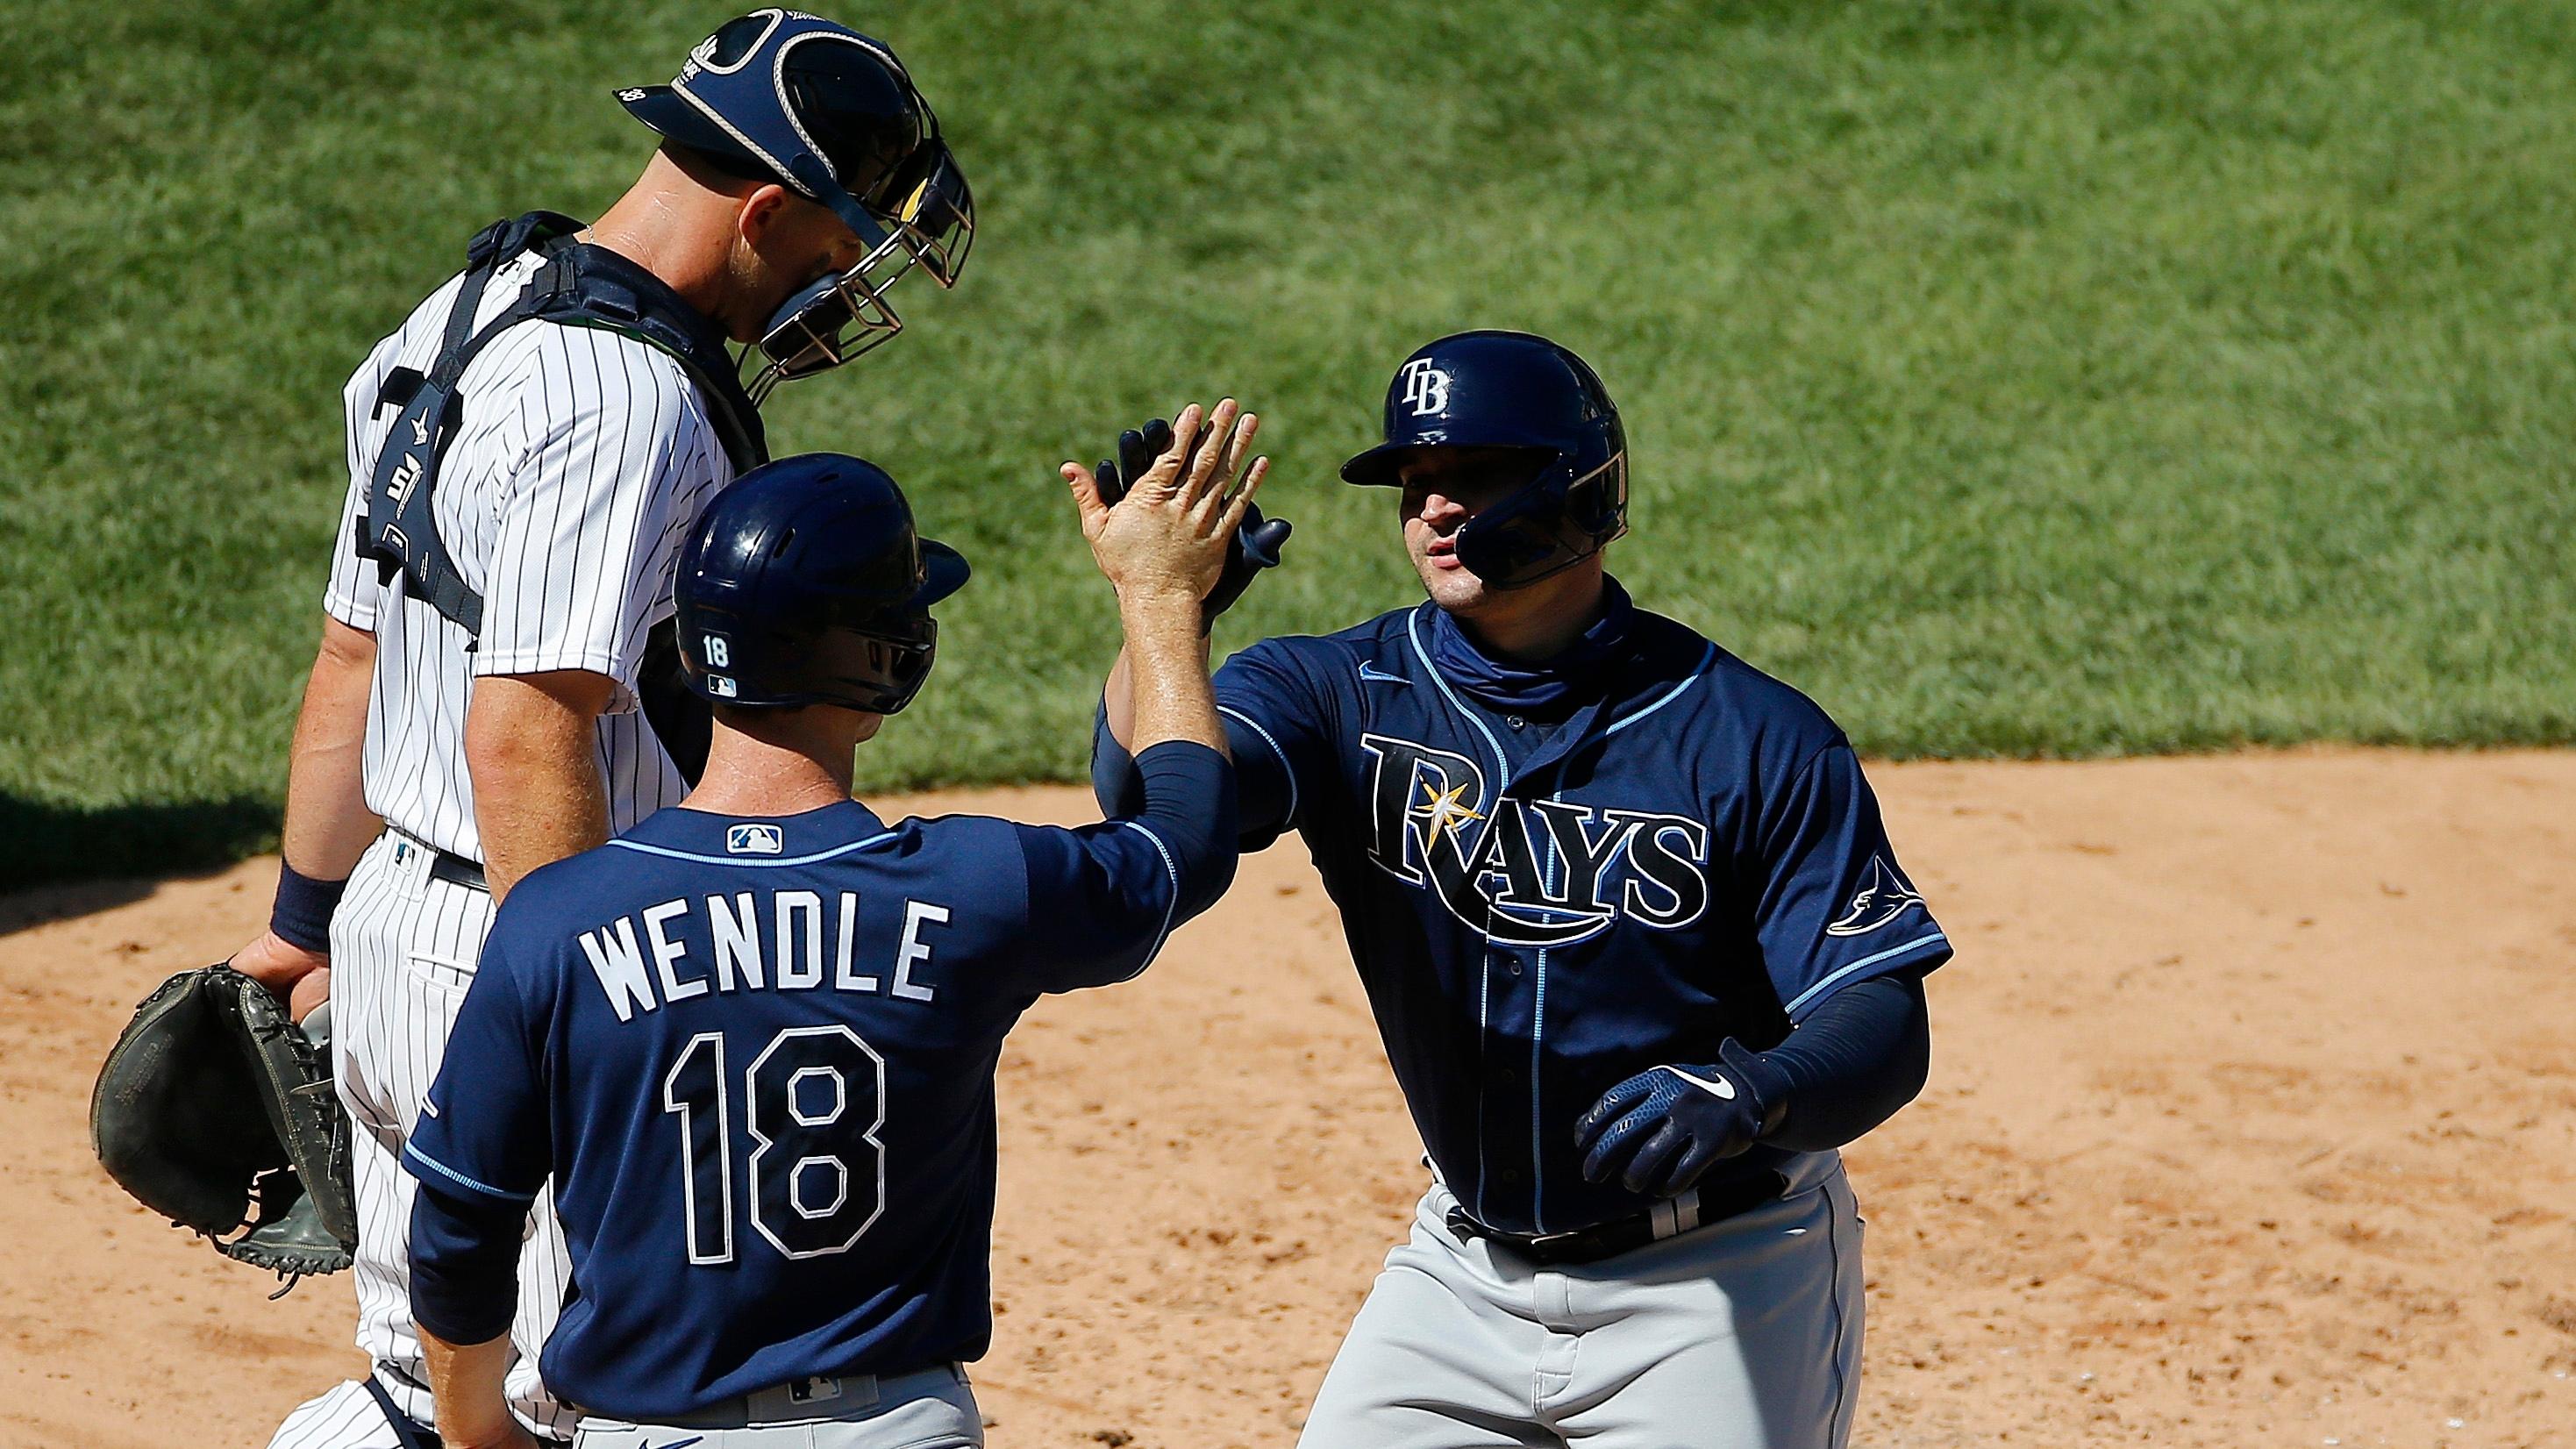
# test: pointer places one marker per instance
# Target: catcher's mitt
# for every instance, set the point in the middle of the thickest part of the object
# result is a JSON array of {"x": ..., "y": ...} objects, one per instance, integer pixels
[{"x": 214, "y": 1109}]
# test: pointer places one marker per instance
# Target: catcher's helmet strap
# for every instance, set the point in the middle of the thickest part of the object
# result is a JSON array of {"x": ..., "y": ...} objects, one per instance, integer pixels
[{"x": 580, "y": 286}]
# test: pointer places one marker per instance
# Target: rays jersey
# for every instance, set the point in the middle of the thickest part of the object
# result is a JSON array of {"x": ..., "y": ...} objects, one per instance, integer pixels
[
  {"x": 756, "y": 1056},
  {"x": 1542, "y": 908}
]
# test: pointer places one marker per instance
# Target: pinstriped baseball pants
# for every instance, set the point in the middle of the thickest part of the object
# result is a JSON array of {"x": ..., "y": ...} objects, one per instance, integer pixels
[{"x": 403, "y": 950}]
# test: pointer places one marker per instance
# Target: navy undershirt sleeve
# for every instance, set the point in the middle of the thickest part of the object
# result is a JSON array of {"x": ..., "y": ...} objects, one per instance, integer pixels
[
  {"x": 464, "y": 1263},
  {"x": 1261, "y": 787},
  {"x": 1849, "y": 1066},
  {"x": 1189, "y": 803},
  {"x": 1108, "y": 895},
  {"x": 1115, "y": 782}
]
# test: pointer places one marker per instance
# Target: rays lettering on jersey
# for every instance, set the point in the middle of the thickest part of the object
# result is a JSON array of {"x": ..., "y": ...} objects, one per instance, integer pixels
[{"x": 1528, "y": 872}]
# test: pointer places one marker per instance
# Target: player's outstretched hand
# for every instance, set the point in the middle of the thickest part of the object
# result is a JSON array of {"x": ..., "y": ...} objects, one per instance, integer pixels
[
  {"x": 1169, "y": 536},
  {"x": 1662, "y": 1129},
  {"x": 1257, "y": 545}
]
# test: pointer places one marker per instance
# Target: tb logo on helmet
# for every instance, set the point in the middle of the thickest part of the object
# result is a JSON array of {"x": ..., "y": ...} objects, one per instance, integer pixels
[{"x": 1426, "y": 387}]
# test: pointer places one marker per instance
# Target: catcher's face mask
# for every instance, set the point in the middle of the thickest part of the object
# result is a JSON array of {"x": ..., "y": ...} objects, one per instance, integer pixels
[
  {"x": 835, "y": 118},
  {"x": 847, "y": 313}
]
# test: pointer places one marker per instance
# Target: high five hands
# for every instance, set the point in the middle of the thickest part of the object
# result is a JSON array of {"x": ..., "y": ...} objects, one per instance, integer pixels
[
  {"x": 1174, "y": 525},
  {"x": 1256, "y": 541}
]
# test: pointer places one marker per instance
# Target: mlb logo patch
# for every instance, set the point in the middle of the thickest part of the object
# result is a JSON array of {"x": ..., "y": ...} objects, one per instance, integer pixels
[
  {"x": 720, "y": 686},
  {"x": 754, "y": 839}
]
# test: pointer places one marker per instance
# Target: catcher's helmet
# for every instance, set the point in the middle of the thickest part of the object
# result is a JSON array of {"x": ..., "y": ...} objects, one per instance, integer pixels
[
  {"x": 804, "y": 583},
  {"x": 1513, "y": 390},
  {"x": 833, "y": 116}
]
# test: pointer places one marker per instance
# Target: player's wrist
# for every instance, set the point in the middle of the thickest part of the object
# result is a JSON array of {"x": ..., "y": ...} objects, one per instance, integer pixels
[
  {"x": 300, "y": 916},
  {"x": 1761, "y": 1079},
  {"x": 1158, "y": 593},
  {"x": 1156, "y": 615}
]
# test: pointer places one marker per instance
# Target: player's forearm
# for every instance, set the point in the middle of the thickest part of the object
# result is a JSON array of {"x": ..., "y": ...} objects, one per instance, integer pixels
[
  {"x": 1118, "y": 702},
  {"x": 532, "y": 749},
  {"x": 1166, "y": 667},
  {"x": 328, "y": 824},
  {"x": 464, "y": 1290},
  {"x": 1862, "y": 1055},
  {"x": 468, "y": 1383}
]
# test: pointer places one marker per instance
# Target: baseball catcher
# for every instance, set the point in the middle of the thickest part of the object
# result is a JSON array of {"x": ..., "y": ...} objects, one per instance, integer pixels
[{"x": 217, "y": 1112}]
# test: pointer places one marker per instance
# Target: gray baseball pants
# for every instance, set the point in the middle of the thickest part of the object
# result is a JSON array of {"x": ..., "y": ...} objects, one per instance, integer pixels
[
  {"x": 1744, "y": 1334},
  {"x": 929, "y": 1409}
]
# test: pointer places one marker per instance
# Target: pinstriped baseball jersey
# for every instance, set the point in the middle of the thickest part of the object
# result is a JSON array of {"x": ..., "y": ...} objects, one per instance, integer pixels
[{"x": 579, "y": 460}]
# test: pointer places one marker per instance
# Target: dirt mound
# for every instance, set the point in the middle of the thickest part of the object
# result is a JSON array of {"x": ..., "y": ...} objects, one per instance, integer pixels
[{"x": 2252, "y": 1120}]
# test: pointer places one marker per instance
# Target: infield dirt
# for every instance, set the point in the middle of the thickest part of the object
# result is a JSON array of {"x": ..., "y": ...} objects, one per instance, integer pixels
[{"x": 2252, "y": 1121}]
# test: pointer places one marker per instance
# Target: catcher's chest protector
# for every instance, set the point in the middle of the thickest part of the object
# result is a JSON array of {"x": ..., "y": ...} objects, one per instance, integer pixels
[{"x": 579, "y": 286}]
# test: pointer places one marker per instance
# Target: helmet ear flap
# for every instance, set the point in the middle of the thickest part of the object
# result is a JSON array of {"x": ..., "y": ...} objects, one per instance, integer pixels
[
  {"x": 1598, "y": 504},
  {"x": 1548, "y": 527}
]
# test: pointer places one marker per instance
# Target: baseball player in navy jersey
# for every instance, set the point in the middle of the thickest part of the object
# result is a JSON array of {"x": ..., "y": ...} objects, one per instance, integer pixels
[
  {"x": 1639, "y": 947},
  {"x": 752, "y": 1040},
  {"x": 496, "y": 686}
]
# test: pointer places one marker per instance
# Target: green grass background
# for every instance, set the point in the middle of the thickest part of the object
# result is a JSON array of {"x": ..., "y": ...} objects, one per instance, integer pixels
[{"x": 2019, "y": 377}]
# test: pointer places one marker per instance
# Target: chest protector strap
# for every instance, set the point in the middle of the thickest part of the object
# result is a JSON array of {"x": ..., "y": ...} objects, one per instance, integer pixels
[{"x": 578, "y": 286}]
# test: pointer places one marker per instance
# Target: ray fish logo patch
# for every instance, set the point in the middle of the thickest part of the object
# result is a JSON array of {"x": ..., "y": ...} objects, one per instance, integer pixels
[{"x": 1883, "y": 896}]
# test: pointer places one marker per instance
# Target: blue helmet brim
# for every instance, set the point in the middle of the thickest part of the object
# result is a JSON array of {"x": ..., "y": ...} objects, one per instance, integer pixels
[
  {"x": 1381, "y": 466},
  {"x": 943, "y": 572},
  {"x": 670, "y": 114}
]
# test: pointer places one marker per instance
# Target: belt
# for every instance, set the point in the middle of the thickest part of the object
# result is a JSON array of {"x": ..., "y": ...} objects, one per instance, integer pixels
[
  {"x": 826, "y": 1396},
  {"x": 444, "y": 865},
  {"x": 456, "y": 870},
  {"x": 1672, "y": 1217}
]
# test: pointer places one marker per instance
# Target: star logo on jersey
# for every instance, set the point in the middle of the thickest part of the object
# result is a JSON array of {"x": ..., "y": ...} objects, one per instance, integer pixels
[
  {"x": 1883, "y": 896},
  {"x": 1529, "y": 872},
  {"x": 754, "y": 840},
  {"x": 1443, "y": 810}
]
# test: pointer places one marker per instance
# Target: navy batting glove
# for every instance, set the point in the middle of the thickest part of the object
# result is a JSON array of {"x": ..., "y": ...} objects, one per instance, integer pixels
[
  {"x": 1661, "y": 1130},
  {"x": 1137, "y": 450},
  {"x": 1254, "y": 547}
]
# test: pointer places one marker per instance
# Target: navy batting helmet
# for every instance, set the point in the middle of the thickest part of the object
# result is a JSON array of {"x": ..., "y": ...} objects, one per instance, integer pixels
[
  {"x": 1513, "y": 390},
  {"x": 804, "y": 583}
]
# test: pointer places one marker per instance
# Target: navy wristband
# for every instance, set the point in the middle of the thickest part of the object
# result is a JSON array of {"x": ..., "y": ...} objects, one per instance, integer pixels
[{"x": 302, "y": 915}]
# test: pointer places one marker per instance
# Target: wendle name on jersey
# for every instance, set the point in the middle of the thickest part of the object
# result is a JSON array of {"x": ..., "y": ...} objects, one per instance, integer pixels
[{"x": 799, "y": 922}]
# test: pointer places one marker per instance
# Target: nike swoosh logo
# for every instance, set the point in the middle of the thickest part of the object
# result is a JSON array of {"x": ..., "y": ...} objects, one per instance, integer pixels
[
  {"x": 1383, "y": 678},
  {"x": 1722, "y": 1088},
  {"x": 679, "y": 1443}
]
